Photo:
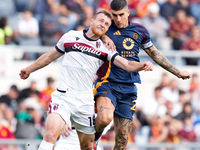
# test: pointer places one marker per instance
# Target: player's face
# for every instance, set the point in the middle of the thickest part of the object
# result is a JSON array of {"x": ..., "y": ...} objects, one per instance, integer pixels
[
  {"x": 120, "y": 17},
  {"x": 100, "y": 24}
]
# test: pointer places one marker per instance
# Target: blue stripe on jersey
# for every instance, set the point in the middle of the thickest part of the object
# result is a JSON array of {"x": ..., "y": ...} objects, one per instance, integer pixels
[{"x": 59, "y": 50}]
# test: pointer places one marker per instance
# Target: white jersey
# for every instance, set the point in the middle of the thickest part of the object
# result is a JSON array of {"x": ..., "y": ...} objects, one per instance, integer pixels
[{"x": 82, "y": 59}]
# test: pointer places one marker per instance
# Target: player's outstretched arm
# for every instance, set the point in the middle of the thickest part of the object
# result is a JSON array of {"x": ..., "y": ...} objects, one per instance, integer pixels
[
  {"x": 132, "y": 66},
  {"x": 161, "y": 60},
  {"x": 41, "y": 62}
]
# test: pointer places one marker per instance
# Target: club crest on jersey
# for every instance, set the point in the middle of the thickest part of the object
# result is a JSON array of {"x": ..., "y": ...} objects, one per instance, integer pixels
[
  {"x": 55, "y": 107},
  {"x": 128, "y": 43},
  {"x": 135, "y": 35},
  {"x": 98, "y": 44},
  {"x": 105, "y": 92}
]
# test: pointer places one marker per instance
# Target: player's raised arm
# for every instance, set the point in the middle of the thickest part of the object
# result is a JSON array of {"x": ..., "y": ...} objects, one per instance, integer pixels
[
  {"x": 161, "y": 60},
  {"x": 41, "y": 62},
  {"x": 132, "y": 66}
]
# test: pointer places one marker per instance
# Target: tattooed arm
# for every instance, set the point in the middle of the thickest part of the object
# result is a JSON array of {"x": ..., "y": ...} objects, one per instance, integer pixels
[{"x": 161, "y": 60}]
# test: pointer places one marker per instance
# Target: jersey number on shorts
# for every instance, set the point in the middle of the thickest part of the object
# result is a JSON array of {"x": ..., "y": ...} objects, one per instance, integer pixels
[{"x": 92, "y": 121}]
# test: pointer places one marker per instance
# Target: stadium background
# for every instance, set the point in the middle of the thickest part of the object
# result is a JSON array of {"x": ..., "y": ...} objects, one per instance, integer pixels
[{"x": 18, "y": 51}]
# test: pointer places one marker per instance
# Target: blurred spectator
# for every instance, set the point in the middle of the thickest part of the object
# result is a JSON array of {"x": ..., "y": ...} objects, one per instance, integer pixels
[
  {"x": 195, "y": 11},
  {"x": 34, "y": 124},
  {"x": 185, "y": 5},
  {"x": 171, "y": 93},
  {"x": 173, "y": 134},
  {"x": 165, "y": 80},
  {"x": 169, "y": 9},
  {"x": 9, "y": 115},
  {"x": 194, "y": 89},
  {"x": 161, "y": 2},
  {"x": 22, "y": 5},
  {"x": 180, "y": 27},
  {"x": 45, "y": 95},
  {"x": 139, "y": 8},
  {"x": 83, "y": 11},
  {"x": 6, "y": 32},
  {"x": 27, "y": 92},
  {"x": 194, "y": 83},
  {"x": 10, "y": 99},
  {"x": 183, "y": 99},
  {"x": 103, "y": 4},
  {"x": 41, "y": 7},
  {"x": 54, "y": 25},
  {"x": 157, "y": 103},
  {"x": 187, "y": 134},
  {"x": 192, "y": 44},
  {"x": 197, "y": 131},
  {"x": 6, "y": 133},
  {"x": 157, "y": 27},
  {"x": 159, "y": 130},
  {"x": 28, "y": 28},
  {"x": 7, "y": 8},
  {"x": 186, "y": 112}
]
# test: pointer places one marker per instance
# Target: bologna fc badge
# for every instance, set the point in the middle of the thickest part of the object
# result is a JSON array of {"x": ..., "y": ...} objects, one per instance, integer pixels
[
  {"x": 55, "y": 107},
  {"x": 135, "y": 35},
  {"x": 105, "y": 92},
  {"x": 98, "y": 44}
]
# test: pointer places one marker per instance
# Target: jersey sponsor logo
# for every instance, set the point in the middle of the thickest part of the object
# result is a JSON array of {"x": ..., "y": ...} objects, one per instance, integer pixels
[
  {"x": 86, "y": 48},
  {"x": 127, "y": 53},
  {"x": 135, "y": 35},
  {"x": 117, "y": 33},
  {"x": 128, "y": 43}
]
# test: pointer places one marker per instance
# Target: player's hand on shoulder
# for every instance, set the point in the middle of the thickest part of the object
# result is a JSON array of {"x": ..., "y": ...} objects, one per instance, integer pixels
[
  {"x": 24, "y": 74},
  {"x": 66, "y": 130},
  {"x": 148, "y": 66},
  {"x": 184, "y": 75},
  {"x": 109, "y": 43}
]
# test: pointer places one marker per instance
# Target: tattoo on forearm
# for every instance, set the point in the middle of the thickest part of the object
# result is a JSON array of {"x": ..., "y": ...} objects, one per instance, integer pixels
[
  {"x": 161, "y": 60},
  {"x": 101, "y": 108},
  {"x": 122, "y": 129}
]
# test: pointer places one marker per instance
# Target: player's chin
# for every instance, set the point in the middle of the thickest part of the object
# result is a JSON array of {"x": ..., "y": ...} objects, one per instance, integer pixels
[{"x": 100, "y": 33}]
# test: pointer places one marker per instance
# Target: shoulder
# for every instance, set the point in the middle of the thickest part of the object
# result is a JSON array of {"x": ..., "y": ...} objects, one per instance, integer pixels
[
  {"x": 138, "y": 26},
  {"x": 72, "y": 33}
]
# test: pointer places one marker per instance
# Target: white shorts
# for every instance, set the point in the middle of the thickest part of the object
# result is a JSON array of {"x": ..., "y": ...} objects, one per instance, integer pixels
[
  {"x": 79, "y": 109},
  {"x": 68, "y": 143}
]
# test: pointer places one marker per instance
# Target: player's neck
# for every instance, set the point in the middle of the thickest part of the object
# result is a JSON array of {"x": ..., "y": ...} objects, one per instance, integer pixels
[{"x": 91, "y": 35}]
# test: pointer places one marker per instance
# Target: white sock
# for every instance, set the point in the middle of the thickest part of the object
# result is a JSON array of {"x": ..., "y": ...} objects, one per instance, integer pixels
[{"x": 45, "y": 145}]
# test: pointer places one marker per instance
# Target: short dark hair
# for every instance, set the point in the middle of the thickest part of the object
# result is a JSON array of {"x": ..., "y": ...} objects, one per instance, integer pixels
[
  {"x": 118, "y": 4},
  {"x": 103, "y": 11}
]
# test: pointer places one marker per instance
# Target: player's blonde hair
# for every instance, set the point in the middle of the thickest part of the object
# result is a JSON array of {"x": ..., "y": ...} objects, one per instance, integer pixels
[{"x": 105, "y": 12}]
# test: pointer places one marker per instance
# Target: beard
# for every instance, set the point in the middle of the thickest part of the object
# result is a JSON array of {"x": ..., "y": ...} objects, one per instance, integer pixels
[{"x": 97, "y": 32}]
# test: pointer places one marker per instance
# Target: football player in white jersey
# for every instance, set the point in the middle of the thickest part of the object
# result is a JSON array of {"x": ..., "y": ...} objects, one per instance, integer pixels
[{"x": 84, "y": 53}]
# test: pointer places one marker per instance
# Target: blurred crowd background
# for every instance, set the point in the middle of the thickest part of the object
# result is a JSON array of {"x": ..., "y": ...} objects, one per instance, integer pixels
[
  {"x": 172, "y": 24},
  {"x": 171, "y": 115}
]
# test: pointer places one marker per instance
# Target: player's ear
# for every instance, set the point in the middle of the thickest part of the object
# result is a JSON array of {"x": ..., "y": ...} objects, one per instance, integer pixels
[
  {"x": 91, "y": 21},
  {"x": 128, "y": 11}
]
